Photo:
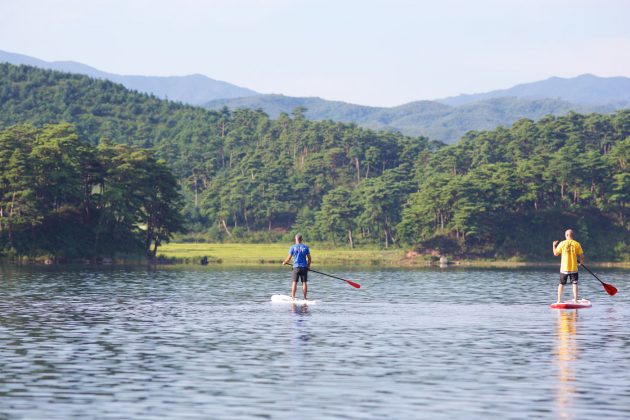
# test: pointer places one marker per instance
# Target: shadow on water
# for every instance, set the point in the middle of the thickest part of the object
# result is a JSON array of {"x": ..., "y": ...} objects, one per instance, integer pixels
[{"x": 566, "y": 351}]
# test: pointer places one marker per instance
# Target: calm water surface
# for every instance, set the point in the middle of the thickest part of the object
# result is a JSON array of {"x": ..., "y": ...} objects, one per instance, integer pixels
[{"x": 207, "y": 343}]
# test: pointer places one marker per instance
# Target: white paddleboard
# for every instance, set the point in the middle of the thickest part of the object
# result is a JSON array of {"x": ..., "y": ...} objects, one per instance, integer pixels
[{"x": 287, "y": 299}]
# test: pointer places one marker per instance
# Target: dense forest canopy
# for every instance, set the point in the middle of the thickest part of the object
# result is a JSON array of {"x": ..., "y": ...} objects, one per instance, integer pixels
[
  {"x": 505, "y": 191},
  {"x": 246, "y": 177},
  {"x": 61, "y": 197}
]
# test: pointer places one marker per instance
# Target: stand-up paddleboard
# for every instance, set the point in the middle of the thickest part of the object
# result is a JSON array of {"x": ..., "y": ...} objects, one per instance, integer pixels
[
  {"x": 287, "y": 299},
  {"x": 569, "y": 304}
]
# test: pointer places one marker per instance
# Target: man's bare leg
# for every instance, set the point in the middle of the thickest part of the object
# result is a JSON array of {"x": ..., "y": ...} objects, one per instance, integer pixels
[{"x": 560, "y": 288}]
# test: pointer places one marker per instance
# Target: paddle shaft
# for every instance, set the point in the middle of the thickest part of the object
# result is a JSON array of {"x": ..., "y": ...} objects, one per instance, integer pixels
[
  {"x": 351, "y": 283},
  {"x": 324, "y": 274},
  {"x": 609, "y": 288},
  {"x": 592, "y": 273}
]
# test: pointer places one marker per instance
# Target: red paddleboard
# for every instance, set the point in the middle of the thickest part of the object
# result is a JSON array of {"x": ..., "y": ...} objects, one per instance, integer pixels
[{"x": 569, "y": 304}]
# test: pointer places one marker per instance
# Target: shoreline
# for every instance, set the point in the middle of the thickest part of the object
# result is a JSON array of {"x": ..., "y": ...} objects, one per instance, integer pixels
[
  {"x": 458, "y": 264},
  {"x": 324, "y": 255},
  {"x": 232, "y": 254}
]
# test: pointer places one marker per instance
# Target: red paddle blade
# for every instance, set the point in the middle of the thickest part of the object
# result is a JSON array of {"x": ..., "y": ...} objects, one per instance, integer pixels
[
  {"x": 358, "y": 286},
  {"x": 610, "y": 289}
]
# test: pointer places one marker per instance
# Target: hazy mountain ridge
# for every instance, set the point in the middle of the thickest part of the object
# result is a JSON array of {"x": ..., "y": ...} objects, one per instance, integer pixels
[
  {"x": 586, "y": 89},
  {"x": 449, "y": 119},
  {"x": 446, "y": 119},
  {"x": 428, "y": 118},
  {"x": 193, "y": 89}
]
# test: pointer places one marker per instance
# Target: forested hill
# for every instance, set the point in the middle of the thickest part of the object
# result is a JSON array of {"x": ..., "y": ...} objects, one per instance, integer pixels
[
  {"x": 197, "y": 143},
  {"x": 446, "y": 120},
  {"x": 244, "y": 176},
  {"x": 432, "y": 119},
  {"x": 194, "y": 89}
]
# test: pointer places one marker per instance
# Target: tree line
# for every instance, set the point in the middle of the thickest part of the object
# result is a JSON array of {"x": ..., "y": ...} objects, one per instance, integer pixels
[
  {"x": 63, "y": 198},
  {"x": 507, "y": 191},
  {"x": 246, "y": 177}
]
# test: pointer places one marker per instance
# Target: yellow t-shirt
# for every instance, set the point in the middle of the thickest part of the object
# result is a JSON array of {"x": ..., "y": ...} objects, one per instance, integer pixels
[{"x": 570, "y": 249}]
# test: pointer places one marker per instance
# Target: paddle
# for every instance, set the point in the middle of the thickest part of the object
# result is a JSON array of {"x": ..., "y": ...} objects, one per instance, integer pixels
[
  {"x": 351, "y": 283},
  {"x": 609, "y": 288}
]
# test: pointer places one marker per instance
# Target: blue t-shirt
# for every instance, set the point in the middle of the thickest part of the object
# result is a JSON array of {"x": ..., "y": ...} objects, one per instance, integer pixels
[{"x": 299, "y": 252}]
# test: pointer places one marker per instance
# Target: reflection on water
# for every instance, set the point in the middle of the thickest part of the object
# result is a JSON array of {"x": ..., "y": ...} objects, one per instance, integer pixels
[
  {"x": 299, "y": 343},
  {"x": 300, "y": 331},
  {"x": 566, "y": 356},
  {"x": 301, "y": 309},
  {"x": 410, "y": 344}
]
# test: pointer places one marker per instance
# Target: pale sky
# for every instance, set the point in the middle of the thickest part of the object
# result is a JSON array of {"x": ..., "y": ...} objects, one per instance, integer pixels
[{"x": 370, "y": 52}]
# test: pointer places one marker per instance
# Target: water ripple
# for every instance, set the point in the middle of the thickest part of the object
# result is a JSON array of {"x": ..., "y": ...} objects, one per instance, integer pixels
[{"x": 186, "y": 343}]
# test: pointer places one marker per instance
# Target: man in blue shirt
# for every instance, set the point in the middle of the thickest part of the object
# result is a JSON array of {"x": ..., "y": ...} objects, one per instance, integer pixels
[{"x": 301, "y": 263}]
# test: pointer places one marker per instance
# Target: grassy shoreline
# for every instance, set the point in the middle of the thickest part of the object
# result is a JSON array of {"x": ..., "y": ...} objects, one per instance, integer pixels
[
  {"x": 269, "y": 254},
  {"x": 234, "y": 254}
]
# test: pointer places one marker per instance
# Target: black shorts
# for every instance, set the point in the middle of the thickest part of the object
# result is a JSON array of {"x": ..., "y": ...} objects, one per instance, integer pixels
[
  {"x": 572, "y": 276},
  {"x": 300, "y": 273}
]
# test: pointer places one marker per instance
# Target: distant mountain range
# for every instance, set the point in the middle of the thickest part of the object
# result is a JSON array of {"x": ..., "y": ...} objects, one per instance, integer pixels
[
  {"x": 450, "y": 118},
  {"x": 433, "y": 119},
  {"x": 445, "y": 119},
  {"x": 194, "y": 89},
  {"x": 586, "y": 89}
]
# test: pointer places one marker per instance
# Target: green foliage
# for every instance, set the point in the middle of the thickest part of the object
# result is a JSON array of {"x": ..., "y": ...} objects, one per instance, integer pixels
[
  {"x": 245, "y": 177},
  {"x": 337, "y": 217},
  {"x": 498, "y": 190},
  {"x": 66, "y": 199},
  {"x": 239, "y": 171},
  {"x": 433, "y": 119}
]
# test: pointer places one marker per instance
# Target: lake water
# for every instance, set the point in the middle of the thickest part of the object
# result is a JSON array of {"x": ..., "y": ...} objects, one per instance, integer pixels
[{"x": 81, "y": 343}]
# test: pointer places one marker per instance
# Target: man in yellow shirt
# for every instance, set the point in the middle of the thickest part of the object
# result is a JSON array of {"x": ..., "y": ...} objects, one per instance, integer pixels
[{"x": 571, "y": 251}]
